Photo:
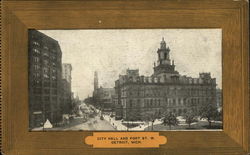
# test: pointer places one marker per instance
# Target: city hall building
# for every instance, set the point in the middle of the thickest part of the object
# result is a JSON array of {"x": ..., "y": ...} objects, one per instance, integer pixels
[{"x": 138, "y": 97}]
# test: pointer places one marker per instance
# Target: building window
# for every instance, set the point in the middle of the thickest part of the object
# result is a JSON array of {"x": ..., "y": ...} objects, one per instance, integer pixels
[
  {"x": 37, "y": 67},
  {"x": 36, "y": 83},
  {"x": 53, "y": 77},
  {"x": 36, "y": 59},
  {"x": 173, "y": 102},
  {"x": 165, "y": 56},
  {"x": 54, "y": 98},
  {"x": 38, "y": 98},
  {"x": 45, "y": 47},
  {"x": 184, "y": 101},
  {"x": 45, "y": 54},
  {"x": 45, "y": 70},
  {"x": 46, "y": 84},
  {"x": 46, "y": 91},
  {"x": 36, "y": 50},
  {"x": 35, "y": 43},
  {"x": 130, "y": 103},
  {"x": 53, "y": 64},
  {"x": 36, "y": 75},
  {"x": 46, "y": 98},
  {"x": 37, "y": 90},
  {"x": 179, "y": 112},
  {"x": 53, "y": 57},
  {"x": 54, "y": 84},
  {"x": 155, "y": 102},
  {"x": 45, "y": 62},
  {"x": 45, "y": 75}
]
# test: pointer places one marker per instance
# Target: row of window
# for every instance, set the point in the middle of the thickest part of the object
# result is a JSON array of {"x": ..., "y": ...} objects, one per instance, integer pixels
[
  {"x": 167, "y": 92},
  {"x": 44, "y": 46},
  {"x": 38, "y": 99},
  {"x": 45, "y": 91},
  {"x": 46, "y": 62},
  {"x": 178, "y": 111},
  {"x": 45, "y": 76},
  {"x": 166, "y": 102},
  {"x": 38, "y": 83},
  {"x": 163, "y": 79},
  {"x": 45, "y": 54}
]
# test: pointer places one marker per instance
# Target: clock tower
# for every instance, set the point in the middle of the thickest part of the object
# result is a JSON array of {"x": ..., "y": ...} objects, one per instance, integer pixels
[{"x": 164, "y": 63}]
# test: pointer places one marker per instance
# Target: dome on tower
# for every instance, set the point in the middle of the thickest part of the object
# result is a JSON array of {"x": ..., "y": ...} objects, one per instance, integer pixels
[{"x": 163, "y": 43}]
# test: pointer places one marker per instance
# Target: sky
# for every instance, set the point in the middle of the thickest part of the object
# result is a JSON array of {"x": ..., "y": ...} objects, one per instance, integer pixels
[{"x": 111, "y": 52}]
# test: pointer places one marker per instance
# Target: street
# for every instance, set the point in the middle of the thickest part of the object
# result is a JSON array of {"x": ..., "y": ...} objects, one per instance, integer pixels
[{"x": 93, "y": 124}]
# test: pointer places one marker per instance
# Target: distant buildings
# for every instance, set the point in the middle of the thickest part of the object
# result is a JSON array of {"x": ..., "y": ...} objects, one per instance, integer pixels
[
  {"x": 138, "y": 97},
  {"x": 66, "y": 72},
  {"x": 103, "y": 97},
  {"x": 48, "y": 88},
  {"x": 66, "y": 96}
]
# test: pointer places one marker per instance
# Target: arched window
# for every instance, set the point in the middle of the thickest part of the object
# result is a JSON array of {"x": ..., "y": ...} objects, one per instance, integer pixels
[
  {"x": 165, "y": 56},
  {"x": 179, "y": 112}
]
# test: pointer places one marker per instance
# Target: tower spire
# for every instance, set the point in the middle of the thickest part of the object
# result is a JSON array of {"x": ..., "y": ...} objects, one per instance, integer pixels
[
  {"x": 163, "y": 44},
  {"x": 164, "y": 62},
  {"x": 95, "y": 80}
]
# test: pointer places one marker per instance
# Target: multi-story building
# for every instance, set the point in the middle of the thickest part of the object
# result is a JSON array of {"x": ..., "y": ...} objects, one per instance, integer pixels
[
  {"x": 138, "y": 96},
  {"x": 106, "y": 98},
  {"x": 103, "y": 96},
  {"x": 66, "y": 72},
  {"x": 66, "y": 93},
  {"x": 45, "y": 68},
  {"x": 219, "y": 99}
]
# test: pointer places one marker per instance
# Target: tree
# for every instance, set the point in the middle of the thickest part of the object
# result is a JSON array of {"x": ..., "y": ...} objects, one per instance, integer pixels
[
  {"x": 190, "y": 117},
  {"x": 170, "y": 119},
  {"x": 209, "y": 112},
  {"x": 219, "y": 116},
  {"x": 133, "y": 114},
  {"x": 151, "y": 117}
]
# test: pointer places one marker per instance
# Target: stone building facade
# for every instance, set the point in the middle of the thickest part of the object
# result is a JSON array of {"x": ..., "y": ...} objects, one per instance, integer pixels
[
  {"x": 138, "y": 97},
  {"x": 66, "y": 92},
  {"x": 45, "y": 69},
  {"x": 219, "y": 99}
]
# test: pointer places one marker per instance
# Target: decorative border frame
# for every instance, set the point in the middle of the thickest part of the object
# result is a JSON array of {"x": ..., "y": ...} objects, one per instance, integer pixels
[{"x": 230, "y": 15}]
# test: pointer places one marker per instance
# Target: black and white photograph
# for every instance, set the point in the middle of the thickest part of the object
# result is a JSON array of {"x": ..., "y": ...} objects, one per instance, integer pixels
[{"x": 125, "y": 80}]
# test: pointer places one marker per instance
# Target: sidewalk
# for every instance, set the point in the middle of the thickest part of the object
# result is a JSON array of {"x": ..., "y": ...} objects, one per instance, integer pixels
[
  {"x": 119, "y": 126},
  {"x": 74, "y": 122}
]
